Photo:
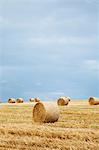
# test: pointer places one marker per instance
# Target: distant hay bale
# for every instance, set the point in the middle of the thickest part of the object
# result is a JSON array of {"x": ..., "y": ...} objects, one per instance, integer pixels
[
  {"x": 45, "y": 112},
  {"x": 93, "y": 101},
  {"x": 37, "y": 99},
  {"x": 34, "y": 99},
  {"x": 11, "y": 100},
  {"x": 19, "y": 100},
  {"x": 63, "y": 101}
]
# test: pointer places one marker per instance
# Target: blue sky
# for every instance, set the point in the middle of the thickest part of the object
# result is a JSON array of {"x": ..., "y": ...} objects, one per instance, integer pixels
[{"x": 49, "y": 48}]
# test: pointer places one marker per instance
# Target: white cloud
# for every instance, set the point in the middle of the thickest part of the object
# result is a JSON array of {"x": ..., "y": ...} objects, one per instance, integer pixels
[
  {"x": 25, "y": 1},
  {"x": 91, "y": 64},
  {"x": 0, "y": 71},
  {"x": 3, "y": 82},
  {"x": 91, "y": 1},
  {"x": 38, "y": 84},
  {"x": 1, "y": 19},
  {"x": 62, "y": 40},
  {"x": 57, "y": 93},
  {"x": 43, "y": 95}
]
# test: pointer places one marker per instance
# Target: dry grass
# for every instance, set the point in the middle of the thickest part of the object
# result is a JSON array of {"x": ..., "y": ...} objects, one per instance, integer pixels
[{"x": 76, "y": 129}]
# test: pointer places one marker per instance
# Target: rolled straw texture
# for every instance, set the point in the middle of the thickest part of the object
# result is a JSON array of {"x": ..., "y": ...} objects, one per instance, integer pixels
[
  {"x": 45, "y": 112},
  {"x": 63, "y": 101},
  {"x": 93, "y": 101}
]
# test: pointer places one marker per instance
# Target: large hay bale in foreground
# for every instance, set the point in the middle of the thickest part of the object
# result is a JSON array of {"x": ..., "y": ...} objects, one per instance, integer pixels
[
  {"x": 93, "y": 101},
  {"x": 19, "y": 100},
  {"x": 63, "y": 101},
  {"x": 45, "y": 112},
  {"x": 11, "y": 100}
]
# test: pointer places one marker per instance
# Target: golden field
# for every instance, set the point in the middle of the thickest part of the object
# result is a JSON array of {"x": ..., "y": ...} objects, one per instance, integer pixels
[{"x": 76, "y": 129}]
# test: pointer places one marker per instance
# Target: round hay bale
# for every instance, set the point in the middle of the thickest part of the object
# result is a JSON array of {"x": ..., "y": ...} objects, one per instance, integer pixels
[
  {"x": 93, "y": 101},
  {"x": 11, "y": 100},
  {"x": 32, "y": 100},
  {"x": 63, "y": 101},
  {"x": 19, "y": 100},
  {"x": 45, "y": 112},
  {"x": 37, "y": 99},
  {"x": 69, "y": 99}
]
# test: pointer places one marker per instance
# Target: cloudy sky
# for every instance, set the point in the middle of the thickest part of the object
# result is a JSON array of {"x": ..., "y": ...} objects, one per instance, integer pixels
[{"x": 49, "y": 48}]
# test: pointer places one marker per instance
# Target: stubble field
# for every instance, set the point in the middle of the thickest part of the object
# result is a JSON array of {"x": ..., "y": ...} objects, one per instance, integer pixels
[{"x": 76, "y": 129}]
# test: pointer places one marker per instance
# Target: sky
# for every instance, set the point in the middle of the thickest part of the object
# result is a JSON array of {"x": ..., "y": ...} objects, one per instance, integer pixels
[{"x": 49, "y": 48}]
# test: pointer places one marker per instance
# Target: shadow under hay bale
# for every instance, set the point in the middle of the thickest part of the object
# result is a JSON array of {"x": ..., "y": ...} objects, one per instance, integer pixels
[
  {"x": 19, "y": 100},
  {"x": 45, "y": 112},
  {"x": 93, "y": 101},
  {"x": 62, "y": 101},
  {"x": 11, "y": 100}
]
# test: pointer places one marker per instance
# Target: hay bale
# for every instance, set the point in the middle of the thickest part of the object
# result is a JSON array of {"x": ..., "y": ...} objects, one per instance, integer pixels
[
  {"x": 11, "y": 100},
  {"x": 19, "y": 100},
  {"x": 93, "y": 101},
  {"x": 45, "y": 112},
  {"x": 37, "y": 99},
  {"x": 63, "y": 101},
  {"x": 32, "y": 99}
]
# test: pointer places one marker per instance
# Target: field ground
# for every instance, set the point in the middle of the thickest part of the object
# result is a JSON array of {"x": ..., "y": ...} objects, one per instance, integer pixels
[{"x": 76, "y": 129}]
